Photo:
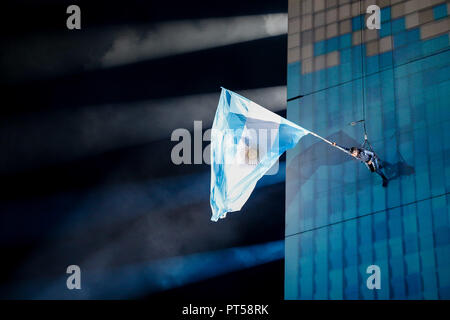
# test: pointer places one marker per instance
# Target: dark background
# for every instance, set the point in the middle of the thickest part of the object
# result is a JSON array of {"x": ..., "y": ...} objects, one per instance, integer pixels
[{"x": 56, "y": 203}]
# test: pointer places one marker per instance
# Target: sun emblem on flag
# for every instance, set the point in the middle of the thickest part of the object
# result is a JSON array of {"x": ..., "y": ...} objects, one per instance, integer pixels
[{"x": 251, "y": 156}]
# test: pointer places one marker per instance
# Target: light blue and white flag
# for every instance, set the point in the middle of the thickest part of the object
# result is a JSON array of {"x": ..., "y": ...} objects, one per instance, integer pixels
[{"x": 246, "y": 141}]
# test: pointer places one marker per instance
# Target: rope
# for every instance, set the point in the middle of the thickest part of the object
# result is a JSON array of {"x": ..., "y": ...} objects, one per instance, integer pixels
[
  {"x": 366, "y": 141},
  {"x": 363, "y": 80},
  {"x": 362, "y": 20}
]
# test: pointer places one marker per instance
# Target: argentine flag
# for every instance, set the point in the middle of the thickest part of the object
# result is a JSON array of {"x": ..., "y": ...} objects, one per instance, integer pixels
[{"x": 246, "y": 141}]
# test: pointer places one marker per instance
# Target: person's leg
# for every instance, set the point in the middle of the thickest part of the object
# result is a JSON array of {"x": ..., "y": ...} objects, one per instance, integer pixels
[
  {"x": 381, "y": 174},
  {"x": 377, "y": 167}
]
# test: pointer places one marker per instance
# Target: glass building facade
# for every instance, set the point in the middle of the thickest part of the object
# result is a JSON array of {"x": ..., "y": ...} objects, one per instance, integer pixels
[{"x": 339, "y": 218}]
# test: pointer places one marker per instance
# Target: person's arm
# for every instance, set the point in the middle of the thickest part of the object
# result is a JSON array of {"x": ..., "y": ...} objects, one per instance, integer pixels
[
  {"x": 346, "y": 149},
  {"x": 371, "y": 156}
]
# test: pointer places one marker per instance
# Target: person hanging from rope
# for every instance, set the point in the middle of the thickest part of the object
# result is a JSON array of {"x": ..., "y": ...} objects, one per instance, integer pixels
[
  {"x": 362, "y": 154},
  {"x": 369, "y": 158}
]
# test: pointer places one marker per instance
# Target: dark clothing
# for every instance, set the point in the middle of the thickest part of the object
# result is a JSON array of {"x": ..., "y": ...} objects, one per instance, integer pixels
[
  {"x": 367, "y": 156},
  {"x": 363, "y": 155}
]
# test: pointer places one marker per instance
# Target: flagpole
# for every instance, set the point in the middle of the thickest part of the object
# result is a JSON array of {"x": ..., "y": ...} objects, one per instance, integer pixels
[{"x": 329, "y": 142}]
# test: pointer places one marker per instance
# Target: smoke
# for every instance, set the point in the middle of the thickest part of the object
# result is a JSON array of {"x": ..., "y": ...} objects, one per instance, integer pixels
[
  {"x": 118, "y": 225},
  {"x": 136, "y": 280},
  {"x": 53, "y": 54},
  {"x": 30, "y": 141},
  {"x": 171, "y": 38}
]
